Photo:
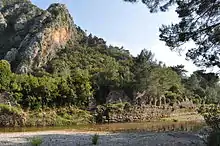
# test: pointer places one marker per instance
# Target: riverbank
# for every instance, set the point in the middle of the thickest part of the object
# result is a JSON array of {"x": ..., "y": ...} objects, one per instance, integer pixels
[
  {"x": 155, "y": 133},
  {"x": 16, "y": 117},
  {"x": 77, "y": 138},
  {"x": 114, "y": 113}
]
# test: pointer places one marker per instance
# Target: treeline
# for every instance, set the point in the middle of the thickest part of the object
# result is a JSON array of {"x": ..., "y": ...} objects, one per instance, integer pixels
[{"x": 89, "y": 69}]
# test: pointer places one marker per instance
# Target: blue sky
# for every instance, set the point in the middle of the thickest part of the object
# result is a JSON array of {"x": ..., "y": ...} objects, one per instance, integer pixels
[{"x": 123, "y": 24}]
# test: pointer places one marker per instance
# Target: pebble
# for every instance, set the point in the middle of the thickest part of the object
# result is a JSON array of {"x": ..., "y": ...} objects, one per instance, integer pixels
[{"x": 71, "y": 138}]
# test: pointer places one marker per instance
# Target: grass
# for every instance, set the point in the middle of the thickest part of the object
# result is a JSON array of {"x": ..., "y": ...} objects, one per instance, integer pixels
[
  {"x": 12, "y": 116},
  {"x": 95, "y": 139},
  {"x": 67, "y": 116},
  {"x": 36, "y": 141},
  {"x": 59, "y": 117},
  {"x": 9, "y": 109}
]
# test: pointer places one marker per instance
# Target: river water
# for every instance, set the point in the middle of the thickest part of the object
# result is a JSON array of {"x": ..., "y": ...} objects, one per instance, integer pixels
[{"x": 155, "y": 126}]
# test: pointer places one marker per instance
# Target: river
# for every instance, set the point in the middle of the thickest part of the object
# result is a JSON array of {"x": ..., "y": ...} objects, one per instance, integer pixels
[
  {"x": 154, "y": 133},
  {"x": 153, "y": 126}
]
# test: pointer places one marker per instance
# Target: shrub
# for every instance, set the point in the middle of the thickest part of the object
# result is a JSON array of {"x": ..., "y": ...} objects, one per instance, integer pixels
[
  {"x": 211, "y": 114},
  {"x": 95, "y": 139},
  {"x": 11, "y": 116},
  {"x": 196, "y": 101},
  {"x": 127, "y": 106},
  {"x": 117, "y": 106},
  {"x": 9, "y": 109},
  {"x": 59, "y": 117},
  {"x": 36, "y": 141},
  {"x": 5, "y": 74}
]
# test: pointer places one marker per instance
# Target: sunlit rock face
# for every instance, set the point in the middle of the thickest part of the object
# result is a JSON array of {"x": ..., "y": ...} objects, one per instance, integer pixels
[{"x": 30, "y": 36}]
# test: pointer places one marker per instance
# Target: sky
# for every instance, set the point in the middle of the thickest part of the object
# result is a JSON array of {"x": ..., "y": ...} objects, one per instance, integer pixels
[{"x": 124, "y": 24}]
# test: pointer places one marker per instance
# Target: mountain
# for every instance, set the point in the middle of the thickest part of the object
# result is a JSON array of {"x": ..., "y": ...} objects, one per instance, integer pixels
[
  {"x": 30, "y": 36},
  {"x": 47, "y": 62}
]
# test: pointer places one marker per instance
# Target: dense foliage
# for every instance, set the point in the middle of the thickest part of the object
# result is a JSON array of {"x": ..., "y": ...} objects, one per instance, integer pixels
[
  {"x": 199, "y": 23},
  {"x": 90, "y": 69}
]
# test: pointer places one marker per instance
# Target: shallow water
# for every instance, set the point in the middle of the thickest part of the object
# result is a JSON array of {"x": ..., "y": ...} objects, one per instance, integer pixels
[{"x": 156, "y": 126}]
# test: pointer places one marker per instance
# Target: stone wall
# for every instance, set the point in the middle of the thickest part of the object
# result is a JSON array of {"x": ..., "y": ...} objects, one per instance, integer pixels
[
  {"x": 124, "y": 112},
  {"x": 139, "y": 114}
]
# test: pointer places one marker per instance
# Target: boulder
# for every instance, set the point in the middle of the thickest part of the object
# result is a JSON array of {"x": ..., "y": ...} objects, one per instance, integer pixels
[{"x": 117, "y": 96}]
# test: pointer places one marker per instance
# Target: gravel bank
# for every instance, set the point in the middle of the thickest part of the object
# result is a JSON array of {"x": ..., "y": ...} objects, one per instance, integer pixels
[{"x": 73, "y": 138}]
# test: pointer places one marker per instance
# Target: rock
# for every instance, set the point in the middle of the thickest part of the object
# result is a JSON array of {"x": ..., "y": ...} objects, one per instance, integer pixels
[
  {"x": 11, "y": 118},
  {"x": 133, "y": 114},
  {"x": 4, "y": 3},
  {"x": 11, "y": 55},
  {"x": 30, "y": 36},
  {"x": 3, "y": 23},
  {"x": 187, "y": 104},
  {"x": 6, "y": 98},
  {"x": 117, "y": 96},
  {"x": 20, "y": 23},
  {"x": 205, "y": 132}
]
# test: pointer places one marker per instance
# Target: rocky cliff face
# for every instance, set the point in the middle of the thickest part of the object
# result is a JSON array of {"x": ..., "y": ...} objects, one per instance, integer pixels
[{"x": 30, "y": 36}]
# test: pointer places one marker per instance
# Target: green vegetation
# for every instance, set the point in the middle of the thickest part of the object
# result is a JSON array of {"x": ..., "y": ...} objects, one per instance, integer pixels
[
  {"x": 211, "y": 114},
  {"x": 61, "y": 92},
  {"x": 199, "y": 24},
  {"x": 11, "y": 116},
  {"x": 36, "y": 141},
  {"x": 87, "y": 71},
  {"x": 95, "y": 139},
  {"x": 58, "y": 117},
  {"x": 9, "y": 109}
]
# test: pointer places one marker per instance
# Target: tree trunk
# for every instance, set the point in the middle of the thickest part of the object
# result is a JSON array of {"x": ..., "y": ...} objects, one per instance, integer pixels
[
  {"x": 155, "y": 102},
  {"x": 160, "y": 101}
]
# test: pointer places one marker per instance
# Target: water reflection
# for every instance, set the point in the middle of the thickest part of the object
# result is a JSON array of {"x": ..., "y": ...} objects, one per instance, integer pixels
[{"x": 155, "y": 126}]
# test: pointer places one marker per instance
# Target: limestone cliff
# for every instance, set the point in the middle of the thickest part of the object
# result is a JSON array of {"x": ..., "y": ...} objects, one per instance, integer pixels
[{"x": 30, "y": 36}]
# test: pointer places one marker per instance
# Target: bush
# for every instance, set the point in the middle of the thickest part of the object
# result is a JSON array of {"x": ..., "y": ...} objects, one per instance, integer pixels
[
  {"x": 171, "y": 96},
  {"x": 127, "y": 106},
  {"x": 9, "y": 109},
  {"x": 95, "y": 139},
  {"x": 58, "y": 117},
  {"x": 117, "y": 106},
  {"x": 11, "y": 116},
  {"x": 196, "y": 101},
  {"x": 211, "y": 114},
  {"x": 5, "y": 74},
  {"x": 36, "y": 141},
  {"x": 76, "y": 115}
]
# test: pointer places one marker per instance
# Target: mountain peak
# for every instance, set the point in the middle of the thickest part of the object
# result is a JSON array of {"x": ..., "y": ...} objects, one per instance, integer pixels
[{"x": 31, "y": 36}]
